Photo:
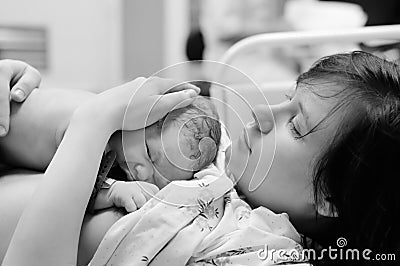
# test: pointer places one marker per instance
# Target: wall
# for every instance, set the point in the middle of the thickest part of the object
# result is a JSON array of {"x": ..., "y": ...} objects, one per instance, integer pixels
[
  {"x": 143, "y": 37},
  {"x": 154, "y": 37},
  {"x": 84, "y": 42},
  {"x": 96, "y": 44}
]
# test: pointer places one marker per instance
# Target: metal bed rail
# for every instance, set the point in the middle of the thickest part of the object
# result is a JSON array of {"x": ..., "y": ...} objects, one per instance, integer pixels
[
  {"x": 391, "y": 32},
  {"x": 387, "y": 33}
]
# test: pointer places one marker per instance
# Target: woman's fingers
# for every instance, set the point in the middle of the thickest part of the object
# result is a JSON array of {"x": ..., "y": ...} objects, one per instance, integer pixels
[
  {"x": 29, "y": 80},
  {"x": 163, "y": 86},
  {"x": 183, "y": 86},
  {"x": 168, "y": 102},
  {"x": 23, "y": 78}
]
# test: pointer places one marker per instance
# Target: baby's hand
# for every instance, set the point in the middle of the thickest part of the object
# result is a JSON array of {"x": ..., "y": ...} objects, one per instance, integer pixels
[{"x": 131, "y": 195}]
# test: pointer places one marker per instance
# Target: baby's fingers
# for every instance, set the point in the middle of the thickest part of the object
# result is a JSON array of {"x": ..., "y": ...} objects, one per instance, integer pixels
[
  {"x": 130, "y": 205},
  {"x": 140, "y": 200}
]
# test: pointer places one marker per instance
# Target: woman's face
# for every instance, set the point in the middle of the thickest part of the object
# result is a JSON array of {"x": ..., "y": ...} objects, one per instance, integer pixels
[{"x": 286, "y": 184}]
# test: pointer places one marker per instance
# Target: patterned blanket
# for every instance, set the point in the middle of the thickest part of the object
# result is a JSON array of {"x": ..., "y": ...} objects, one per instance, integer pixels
[{"x": 200, "y": 222}]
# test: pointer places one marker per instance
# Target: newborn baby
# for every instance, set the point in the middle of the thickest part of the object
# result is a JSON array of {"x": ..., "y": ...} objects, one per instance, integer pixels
[
  {"x": 175, "y": 147},
  {"x": 185, "y": 141}
]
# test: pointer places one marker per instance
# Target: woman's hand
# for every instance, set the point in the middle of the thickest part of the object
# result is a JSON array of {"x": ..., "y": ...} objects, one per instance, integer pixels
[
  {"x": 21, "y": 78},
  {"x": 138, "y": 103}
]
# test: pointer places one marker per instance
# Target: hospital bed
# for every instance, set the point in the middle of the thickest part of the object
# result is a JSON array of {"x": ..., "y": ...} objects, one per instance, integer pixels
[{"x": 235, "y": 91}]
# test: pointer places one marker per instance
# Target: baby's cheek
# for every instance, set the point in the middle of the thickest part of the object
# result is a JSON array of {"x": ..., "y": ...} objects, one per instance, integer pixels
[
  {"x": 160, "y": 181},
  {"x": 171, "y": 173}
]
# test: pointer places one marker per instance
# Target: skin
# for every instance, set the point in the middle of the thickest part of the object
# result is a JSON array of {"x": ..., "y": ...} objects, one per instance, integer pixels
[
  {"x": 159, "y": 163},
  {"x": 82, "y": 146},
  {"x": 16, "y": 190},
  {"x": 46, "y": 115},
  {"x": 17, "y": 187},
  {"x": 94, "y": 227},
  {"x": 17, "y": 80},
  {"x": 287, "y": 186},
  {"x": 290, "y": 171}
]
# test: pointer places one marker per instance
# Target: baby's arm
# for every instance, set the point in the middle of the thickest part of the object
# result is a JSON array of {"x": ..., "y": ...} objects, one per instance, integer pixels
[
  {"x": 37, "y": 127},
  {"x": 130, "y": 195}
]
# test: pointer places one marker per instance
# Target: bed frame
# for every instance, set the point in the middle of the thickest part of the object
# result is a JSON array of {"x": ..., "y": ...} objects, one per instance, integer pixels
[{"x": 237, "y": 112}]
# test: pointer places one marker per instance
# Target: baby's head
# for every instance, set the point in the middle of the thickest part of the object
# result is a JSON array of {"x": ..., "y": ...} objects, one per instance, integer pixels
[{"x": 185, "y": 141}]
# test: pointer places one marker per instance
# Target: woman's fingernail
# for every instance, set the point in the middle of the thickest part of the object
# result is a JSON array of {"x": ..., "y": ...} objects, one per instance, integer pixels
[
  {"x": 19, "y": 94},
  {"x": 3, "y": 131}
]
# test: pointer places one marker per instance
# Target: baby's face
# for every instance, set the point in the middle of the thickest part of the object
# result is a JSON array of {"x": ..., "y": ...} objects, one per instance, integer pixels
[{"x": 145, "y": 155}]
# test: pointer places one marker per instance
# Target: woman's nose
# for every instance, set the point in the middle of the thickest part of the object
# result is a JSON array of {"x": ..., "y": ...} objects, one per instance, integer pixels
[{"x": 263, "y": 117}]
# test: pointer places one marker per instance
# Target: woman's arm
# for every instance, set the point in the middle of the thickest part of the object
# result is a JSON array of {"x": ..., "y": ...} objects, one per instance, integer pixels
[
  {"x": 62, "y": 196},
  {"x": 64, "y": 192}
]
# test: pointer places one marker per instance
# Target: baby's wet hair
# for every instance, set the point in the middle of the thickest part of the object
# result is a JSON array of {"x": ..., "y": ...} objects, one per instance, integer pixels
[{"x": 201, "y": 129}]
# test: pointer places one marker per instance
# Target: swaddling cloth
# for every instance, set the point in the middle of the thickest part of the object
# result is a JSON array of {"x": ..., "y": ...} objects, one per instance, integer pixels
[{"x": 196, "y": 222}]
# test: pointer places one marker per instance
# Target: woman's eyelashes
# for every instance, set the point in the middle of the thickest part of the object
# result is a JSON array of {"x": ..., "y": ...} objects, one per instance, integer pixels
[
  {"x": 293, "y": 128},
  {"x": 291, "y": 123}
]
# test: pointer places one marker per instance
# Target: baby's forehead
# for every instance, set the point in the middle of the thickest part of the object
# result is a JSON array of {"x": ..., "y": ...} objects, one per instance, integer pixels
[
  {"x": 174, "y": 154},
  {"x": 175, "y": 142}
]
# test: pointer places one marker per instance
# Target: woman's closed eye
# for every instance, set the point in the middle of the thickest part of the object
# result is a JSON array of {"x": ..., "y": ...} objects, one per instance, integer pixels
[
  {"x": 294, "y": 129},
  {"x": 291, "y": 123}
]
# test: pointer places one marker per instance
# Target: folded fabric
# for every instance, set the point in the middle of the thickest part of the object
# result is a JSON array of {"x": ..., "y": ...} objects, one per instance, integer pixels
[{"x": 199, "y": 222}]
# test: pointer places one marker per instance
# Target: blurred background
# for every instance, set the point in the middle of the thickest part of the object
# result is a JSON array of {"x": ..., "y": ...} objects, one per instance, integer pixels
[{"x": 95, "y": 44}]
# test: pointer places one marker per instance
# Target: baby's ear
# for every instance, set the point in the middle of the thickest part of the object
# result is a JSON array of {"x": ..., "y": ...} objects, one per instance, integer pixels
[{"x": 208, "y": 151}]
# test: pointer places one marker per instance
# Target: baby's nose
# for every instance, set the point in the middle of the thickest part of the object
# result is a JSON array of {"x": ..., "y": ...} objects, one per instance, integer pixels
[
  {"x": 263, "y": 118},
  {"x": 144, "y": 172}
]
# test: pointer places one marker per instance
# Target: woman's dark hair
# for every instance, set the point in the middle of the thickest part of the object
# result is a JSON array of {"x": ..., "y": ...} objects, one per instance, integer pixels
[{"x": 359, "y": 172}]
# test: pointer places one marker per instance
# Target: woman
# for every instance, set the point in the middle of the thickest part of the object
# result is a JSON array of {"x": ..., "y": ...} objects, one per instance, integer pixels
[
  {"x": 336, "y": 147},
  {"x": 338, "y": 142}
]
